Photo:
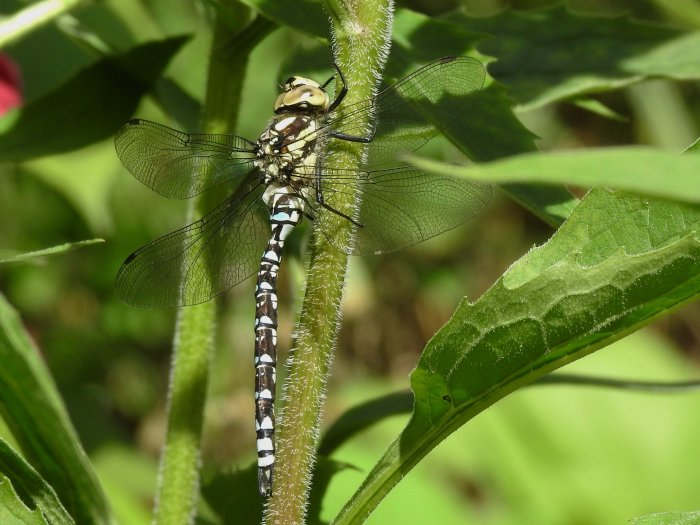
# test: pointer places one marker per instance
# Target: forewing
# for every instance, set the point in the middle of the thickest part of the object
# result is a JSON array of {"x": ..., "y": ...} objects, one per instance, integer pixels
[
  {"x": 180, "y": 165},
  {"x": 406, "y": 113},
  {"x": 193, "y": 264},
  {"x": 398, "y": 207}
]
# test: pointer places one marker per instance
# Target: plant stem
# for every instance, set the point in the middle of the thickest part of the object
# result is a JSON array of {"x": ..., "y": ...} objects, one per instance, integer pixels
[
  {"x": 32, "y": 17},
  {"x": 361, "y": 40},
  {"x": 178, "y": 484},
  {"x": 178, "y": 480}
]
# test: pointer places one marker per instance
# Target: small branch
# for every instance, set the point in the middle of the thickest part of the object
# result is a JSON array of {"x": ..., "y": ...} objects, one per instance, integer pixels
[{"x": 32, "y": 17}]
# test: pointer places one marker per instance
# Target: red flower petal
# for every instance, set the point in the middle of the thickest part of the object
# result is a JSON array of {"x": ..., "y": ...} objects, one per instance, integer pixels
[{"x": 10, "y": 85}]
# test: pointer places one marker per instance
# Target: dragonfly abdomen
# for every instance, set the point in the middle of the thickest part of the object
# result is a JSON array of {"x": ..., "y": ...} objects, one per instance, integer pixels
[{"x": 286, "y": 211}]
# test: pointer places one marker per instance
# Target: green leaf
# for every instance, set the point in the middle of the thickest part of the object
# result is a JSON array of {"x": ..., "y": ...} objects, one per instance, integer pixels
[
  {"x": 552, "y": 204},
  {"x": 30, "y": 483},
  {"x": 177, "y": 103},
  {"x": 694, "y": 147},
  {"x": 490, "y": 130},
  {"x": 668, "y": 518},
  {"x": 618, "y": 262},
  {"x": 32, "y": 409},
  {"x": 543, "y": 56},
  {"x": 638, "y": 169},
  {"x": 597, "y": 107},
  {"x": 13, "y": 511},
  {"x": 306, "y": 16},
  {"x": 31, "y": 18},
  {"x": 233, "y": 496},
  {"x": 54, "y": 250},
  {"x": 89, "y": 107},
  {"x": 324, "y": 470},
  {"x": 360, "y": 417}
]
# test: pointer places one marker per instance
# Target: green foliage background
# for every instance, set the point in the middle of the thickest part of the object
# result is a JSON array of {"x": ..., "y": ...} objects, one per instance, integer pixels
[{"x": 547, "y": 454}]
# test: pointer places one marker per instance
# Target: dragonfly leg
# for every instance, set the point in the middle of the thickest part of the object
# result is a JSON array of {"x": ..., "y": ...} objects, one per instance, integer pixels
[
  {"x": 319, "y": 200},
  {"x": 351, "y": 138},
  {"x": 336, "y": 103},
  {"x": 341, "y": 214},
  {"x": 343, "y": 90}
]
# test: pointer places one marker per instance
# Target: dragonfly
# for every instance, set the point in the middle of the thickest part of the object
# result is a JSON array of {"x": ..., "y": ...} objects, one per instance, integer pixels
[{"x": 284, "y": 176}]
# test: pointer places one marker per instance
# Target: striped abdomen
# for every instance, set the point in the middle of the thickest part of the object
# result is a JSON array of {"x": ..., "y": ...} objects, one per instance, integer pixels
[{"x": 286, "y": 209}]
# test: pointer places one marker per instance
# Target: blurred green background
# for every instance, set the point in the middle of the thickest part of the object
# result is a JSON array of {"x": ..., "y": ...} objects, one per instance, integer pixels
[{"x": 547, "y": 455}]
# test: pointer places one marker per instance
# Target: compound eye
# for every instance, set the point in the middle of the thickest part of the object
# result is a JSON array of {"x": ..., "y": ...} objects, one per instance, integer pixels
[
  {"x": 279, "y": 101},
  {"x": 301, "y": 96},
  {"x": 313, "y": 97}
]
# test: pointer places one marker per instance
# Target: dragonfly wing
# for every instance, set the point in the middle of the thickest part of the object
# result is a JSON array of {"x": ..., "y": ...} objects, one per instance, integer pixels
[
  {"x": 181, "y": 165},
  {"x": 398, "y": 207},
  {"x": 193, "y": 264},
  {"x": 407, "y": 113}
]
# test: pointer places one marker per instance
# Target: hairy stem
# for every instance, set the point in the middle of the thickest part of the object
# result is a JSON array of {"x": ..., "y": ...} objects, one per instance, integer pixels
[
  {"x": 178, "y": 480},
  {"x": 361, "y": 40}
]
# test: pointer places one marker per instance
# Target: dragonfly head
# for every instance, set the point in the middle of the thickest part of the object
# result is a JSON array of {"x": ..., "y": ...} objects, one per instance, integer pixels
[{"x": 302, "y": 94}]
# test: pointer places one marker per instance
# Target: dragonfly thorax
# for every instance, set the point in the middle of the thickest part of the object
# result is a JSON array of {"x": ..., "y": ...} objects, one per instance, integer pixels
[{"x": 287, "y": 151}]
